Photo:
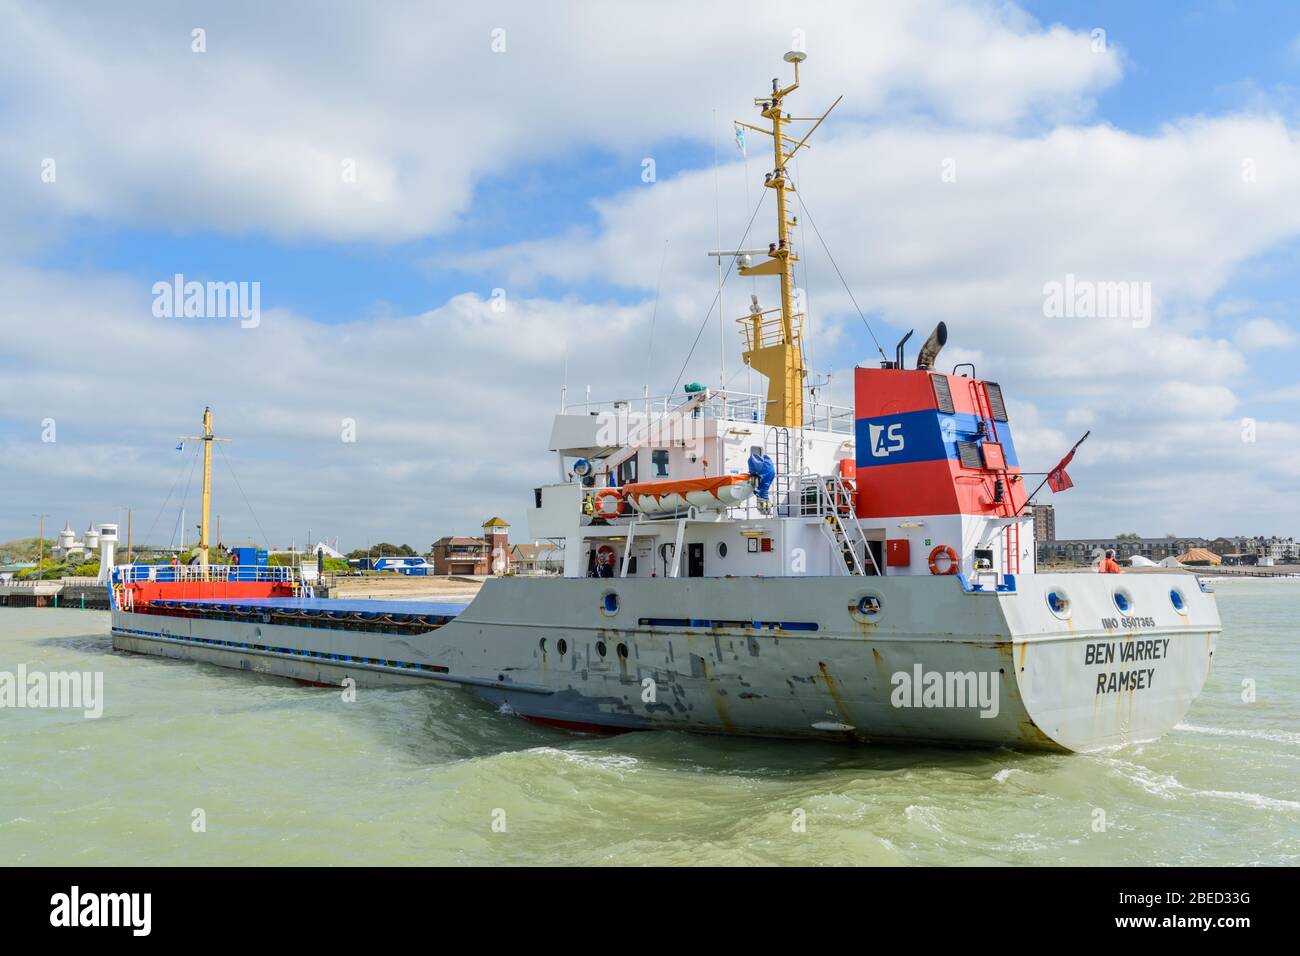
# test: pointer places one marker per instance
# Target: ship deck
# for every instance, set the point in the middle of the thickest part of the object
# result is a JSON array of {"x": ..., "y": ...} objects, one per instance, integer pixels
[
  {"x": 364, "y": 606},
  {"x": 351, "y": 614}
]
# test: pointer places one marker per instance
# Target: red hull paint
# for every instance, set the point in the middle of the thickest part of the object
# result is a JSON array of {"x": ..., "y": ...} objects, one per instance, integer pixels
[{"x": 578, "y": 726}]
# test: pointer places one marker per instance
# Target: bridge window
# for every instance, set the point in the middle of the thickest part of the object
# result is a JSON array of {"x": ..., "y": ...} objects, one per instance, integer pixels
[
  {"x": 659, "y": 458},
  {"x": 627, "y": 471}
]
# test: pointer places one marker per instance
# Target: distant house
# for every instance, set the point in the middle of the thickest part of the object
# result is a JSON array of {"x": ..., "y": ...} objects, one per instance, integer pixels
[
  {"x": 490, "y": 554},
  {"x": 1085, "y": 550}
]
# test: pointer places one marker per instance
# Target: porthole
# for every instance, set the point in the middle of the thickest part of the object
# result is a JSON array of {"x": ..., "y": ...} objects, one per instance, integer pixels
[
  {"x": 1058, "y": 602},
  {"x": 562, "y": 646},
  {"x": 1123, "y": 602},
  {"x": 722, "y": 549},
  {"x": 600, "y": 648},
  {"x": 867, "y": 608},
  {"x": 622, "y": 651},
  {"x": 542, "y": 645},
  {"x": 609, "y": 603},
  {"x": 1178, "y": 601}
]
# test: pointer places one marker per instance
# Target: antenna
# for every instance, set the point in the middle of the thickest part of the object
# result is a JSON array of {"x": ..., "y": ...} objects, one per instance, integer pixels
[{"x": 774, "y": 338}]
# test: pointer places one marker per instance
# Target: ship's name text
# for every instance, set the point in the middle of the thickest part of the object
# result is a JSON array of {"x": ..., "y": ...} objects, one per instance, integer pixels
[{"x": 1099, "y": 653}]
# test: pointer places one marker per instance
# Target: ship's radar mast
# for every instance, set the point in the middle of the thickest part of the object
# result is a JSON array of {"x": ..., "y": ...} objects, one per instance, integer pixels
[
  {"x": 207, "y": 438},
  {"x": 774, "y": 337}
]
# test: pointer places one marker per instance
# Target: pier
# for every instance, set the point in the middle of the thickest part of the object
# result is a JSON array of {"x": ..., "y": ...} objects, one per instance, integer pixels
[{"x": 86, "y": 593}]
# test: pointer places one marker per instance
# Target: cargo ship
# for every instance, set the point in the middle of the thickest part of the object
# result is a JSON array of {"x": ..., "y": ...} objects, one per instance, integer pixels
[{"x": 752, "y": 564}]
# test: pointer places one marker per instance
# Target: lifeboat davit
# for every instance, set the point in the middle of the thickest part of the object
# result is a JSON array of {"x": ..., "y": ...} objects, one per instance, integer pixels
[{"x": 655, "y": 498}]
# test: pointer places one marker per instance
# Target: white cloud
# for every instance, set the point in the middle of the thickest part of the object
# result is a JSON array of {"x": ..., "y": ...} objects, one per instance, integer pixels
[
  {"x": 251, "y": 134},
  {"x": 1261, "y": 333},
  {"x": 451, "y": 407}
]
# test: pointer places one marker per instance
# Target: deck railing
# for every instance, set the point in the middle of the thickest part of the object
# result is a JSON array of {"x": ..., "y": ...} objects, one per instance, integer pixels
[
  {"x": 723, "y": 405},
  {"x": 129, "y": 573}
]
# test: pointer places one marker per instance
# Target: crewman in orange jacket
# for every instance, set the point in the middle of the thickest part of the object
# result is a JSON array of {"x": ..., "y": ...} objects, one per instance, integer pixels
[{"x": 1108, "y": 564}]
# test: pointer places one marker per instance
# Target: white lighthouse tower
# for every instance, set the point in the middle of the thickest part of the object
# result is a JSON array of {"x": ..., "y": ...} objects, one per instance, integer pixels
[
  {"x": 67, "y": 541},
  {"x": 107, "y": 549}
]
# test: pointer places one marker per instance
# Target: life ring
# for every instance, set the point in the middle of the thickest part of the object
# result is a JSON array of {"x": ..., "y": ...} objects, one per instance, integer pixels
[
  {"x": 601, "y": 510},
  {"x": 953, "y": 564}
]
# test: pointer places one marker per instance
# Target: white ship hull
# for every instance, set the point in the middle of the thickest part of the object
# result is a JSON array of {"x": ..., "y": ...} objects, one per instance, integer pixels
[{"x": 1032, "y": 680}]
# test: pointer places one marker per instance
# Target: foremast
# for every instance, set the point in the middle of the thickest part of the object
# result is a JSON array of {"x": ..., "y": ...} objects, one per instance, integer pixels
[
  {"x": 207, "y": 438},
  {"x": 774, "y": 337}
]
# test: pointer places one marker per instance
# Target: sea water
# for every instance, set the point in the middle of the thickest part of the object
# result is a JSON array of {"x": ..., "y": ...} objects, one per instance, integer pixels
[{"x": 196, "y": 764}]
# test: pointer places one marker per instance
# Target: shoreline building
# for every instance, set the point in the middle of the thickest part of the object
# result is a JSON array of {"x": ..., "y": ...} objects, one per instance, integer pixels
[
  {"x": 1044, "y": 523},
  {"x": 1082, "y": 550},
  {"x": 489, "y": 554},
  {"x": 69, "y": 545}
]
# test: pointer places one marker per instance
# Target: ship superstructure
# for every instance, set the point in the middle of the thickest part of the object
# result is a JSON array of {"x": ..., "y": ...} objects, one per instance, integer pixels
[{"x": 755, "y": 564}]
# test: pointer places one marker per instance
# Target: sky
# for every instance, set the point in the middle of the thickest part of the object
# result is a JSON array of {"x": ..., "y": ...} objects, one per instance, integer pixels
[{"x": 449, "y": 212}]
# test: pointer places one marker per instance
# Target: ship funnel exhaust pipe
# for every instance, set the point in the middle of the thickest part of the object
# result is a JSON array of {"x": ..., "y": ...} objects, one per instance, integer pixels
[
  {"x": 930, "y": 350},
  {"x": 898, "y": 351}
]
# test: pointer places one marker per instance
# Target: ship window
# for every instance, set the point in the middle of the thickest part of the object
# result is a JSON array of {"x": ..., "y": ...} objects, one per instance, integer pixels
[
  {"x": 1059, "y": 604},
  {"x": 867, "y": 608},
  {"x": 1123, "y": 601},
  {"x": 943, "y": 394},
  {"x": 722, "y": 549},
  {"x": 996, "y": 405},
  {"x": 659, "y": 458},
  {"x": 627, "y": 471},
  {"x": 1177, "y": 600},
  {"x": 969, "y": 453}
]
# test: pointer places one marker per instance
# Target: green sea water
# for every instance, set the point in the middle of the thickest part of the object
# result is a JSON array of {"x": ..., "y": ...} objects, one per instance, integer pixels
[{"x": 290, "y": 775}]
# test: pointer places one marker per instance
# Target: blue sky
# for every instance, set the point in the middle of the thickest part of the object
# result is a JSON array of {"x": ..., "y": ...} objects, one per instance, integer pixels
[{"x": 525, "y": 174}]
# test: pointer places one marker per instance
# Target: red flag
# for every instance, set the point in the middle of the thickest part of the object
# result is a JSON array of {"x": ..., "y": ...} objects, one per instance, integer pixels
[{"x": 1057, "y": 479}]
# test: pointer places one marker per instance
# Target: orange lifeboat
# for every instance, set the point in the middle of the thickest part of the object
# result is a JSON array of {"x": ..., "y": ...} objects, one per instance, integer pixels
[{"x": 654, "y": 498}]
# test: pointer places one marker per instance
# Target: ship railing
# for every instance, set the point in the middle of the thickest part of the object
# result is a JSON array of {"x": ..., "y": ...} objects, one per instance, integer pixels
[
  {"x": 765, "y": 329},
  {"x": 170, "y": 573},
  {"x": 827, "y": 417},
  {"x": 719, "y": 405}
]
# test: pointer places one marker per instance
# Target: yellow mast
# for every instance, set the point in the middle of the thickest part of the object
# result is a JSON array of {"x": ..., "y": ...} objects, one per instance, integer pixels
[
  {"x": 775, "y": 346},
  {"x": 207, "y": 438}
]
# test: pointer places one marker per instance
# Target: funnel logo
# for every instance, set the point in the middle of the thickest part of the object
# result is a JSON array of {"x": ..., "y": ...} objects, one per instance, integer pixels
[{"x": 885, "y": 440}]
